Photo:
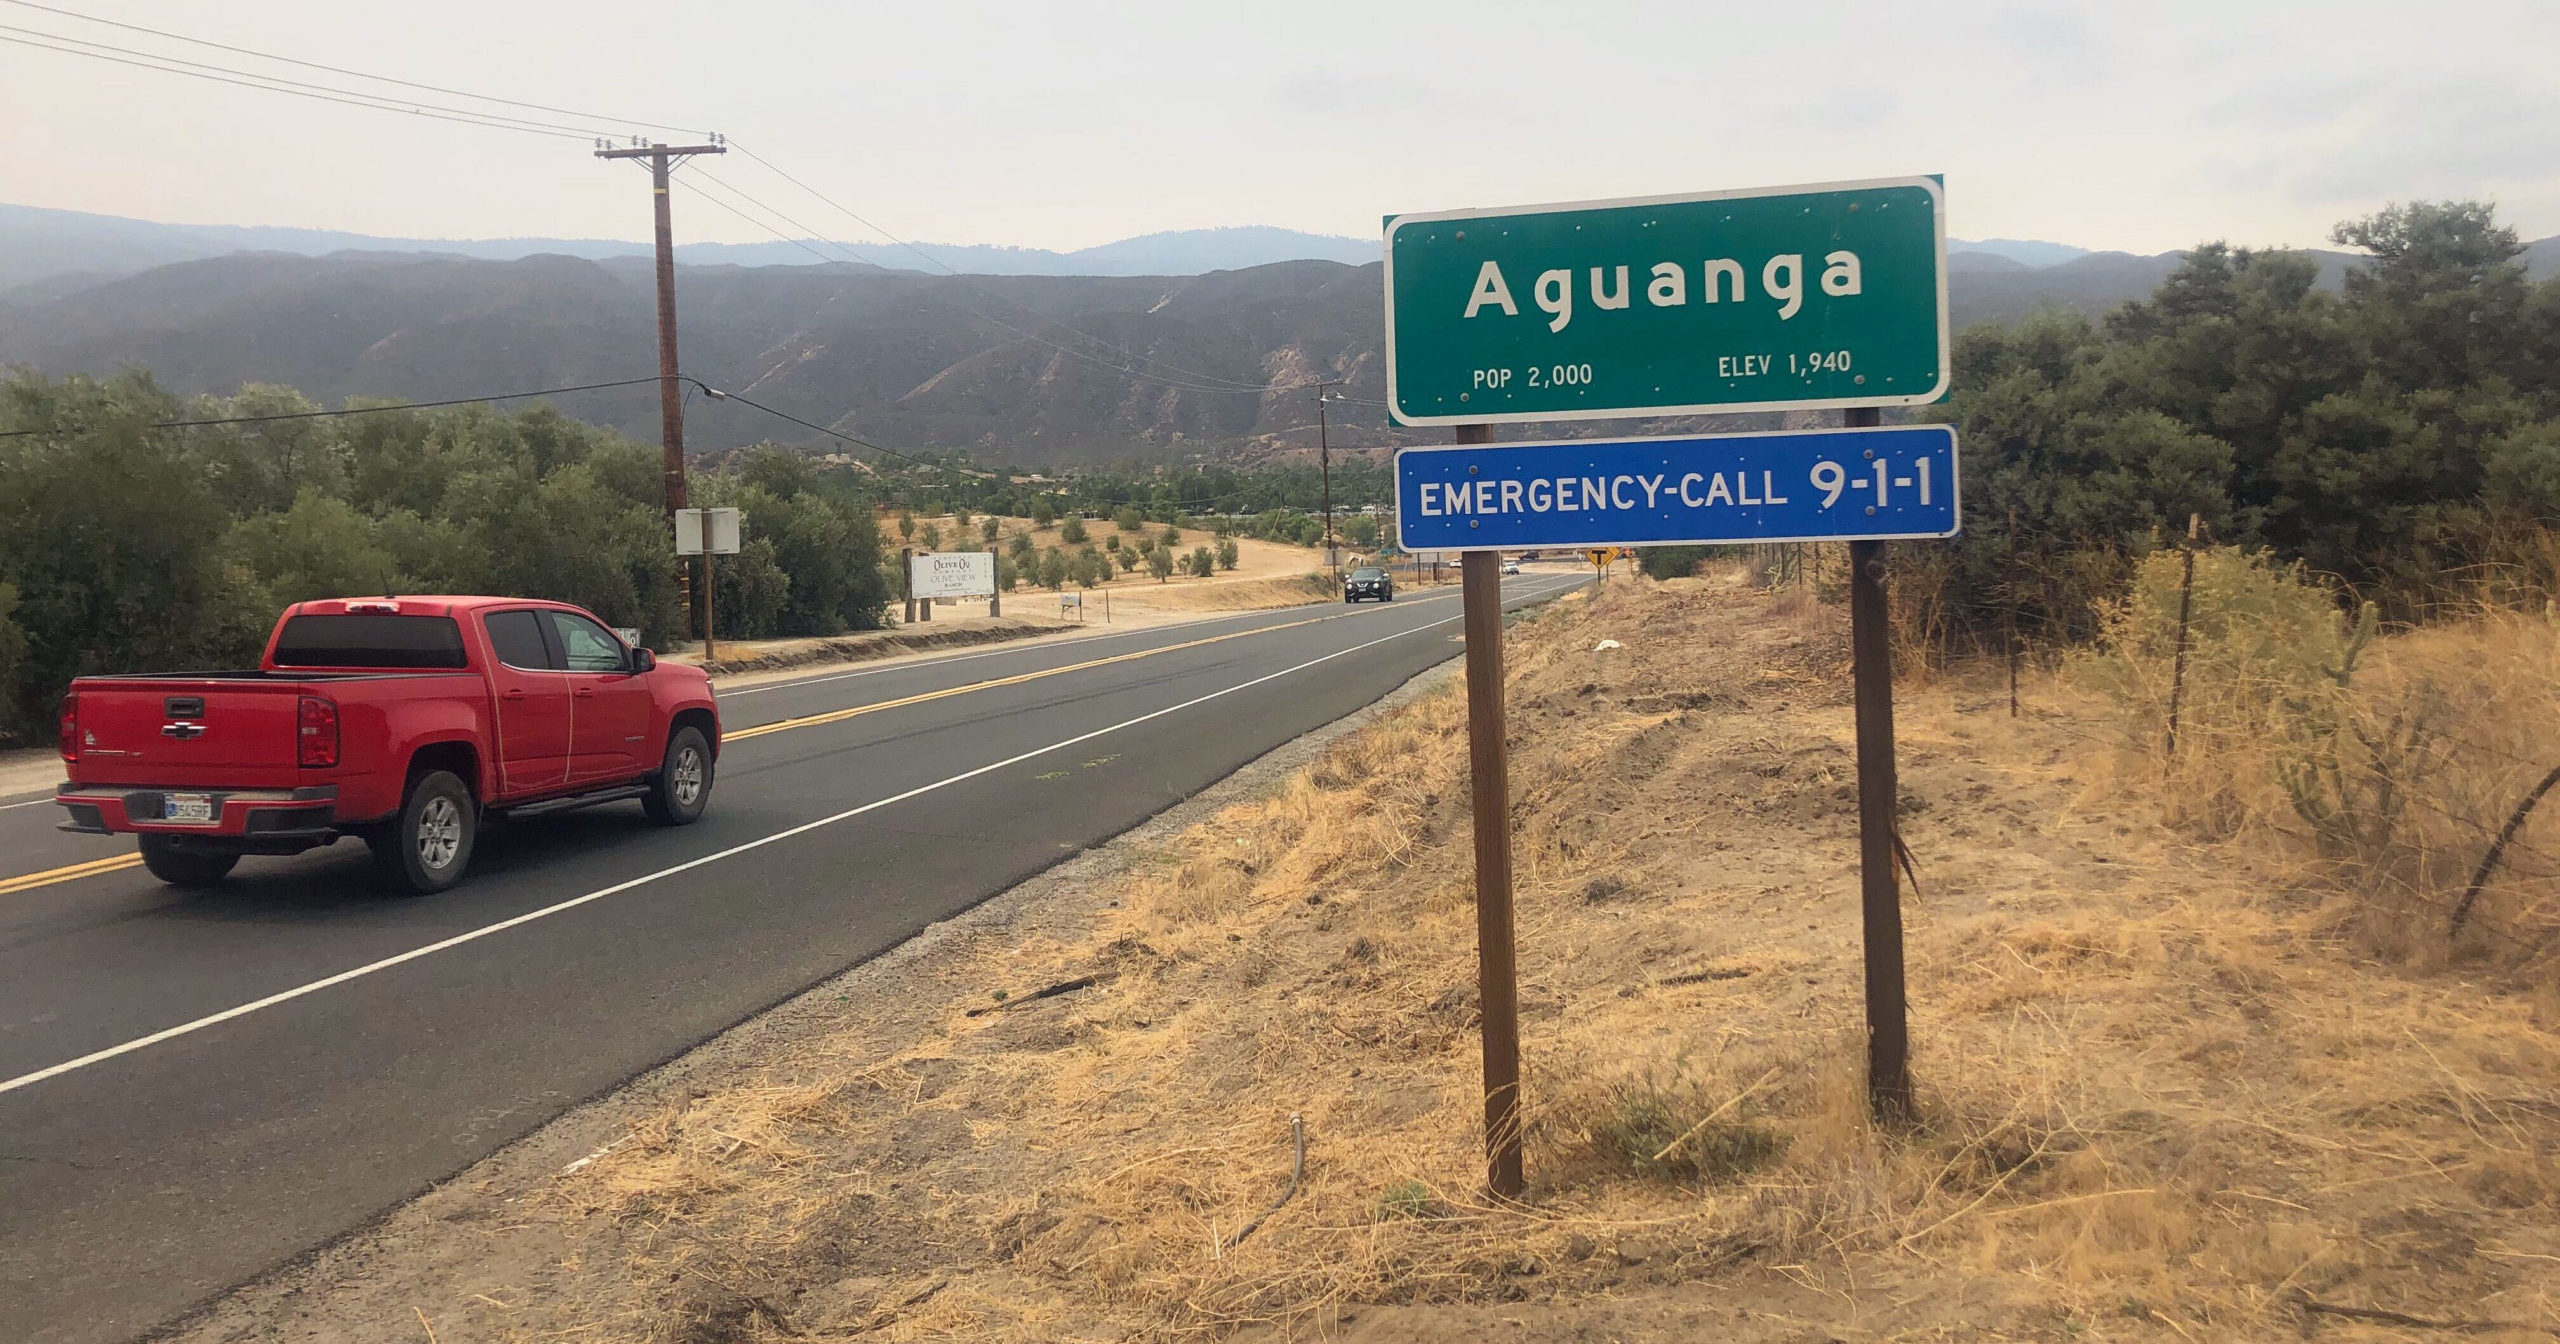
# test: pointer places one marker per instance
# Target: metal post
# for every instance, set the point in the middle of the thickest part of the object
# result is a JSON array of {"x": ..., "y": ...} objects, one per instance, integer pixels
[
  {"x": 1489, "y": 767},
  {"x": 1324, "y": 463},
  {"x": 1880, "y": 895},
  {"x": 907, "y": 582},
  {"x": 710, "y": 650}
]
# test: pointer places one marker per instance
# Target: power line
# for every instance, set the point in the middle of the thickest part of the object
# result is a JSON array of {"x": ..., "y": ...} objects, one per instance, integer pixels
[
  {"x": 349, "y": 410},
  {"x": 279, "y": 84},
  {"x": 258, "y": 82},
  {"x": 339, "y": 70},
  {"x": 718, "y": 395},
  {"x": 1191, "y": 380}
]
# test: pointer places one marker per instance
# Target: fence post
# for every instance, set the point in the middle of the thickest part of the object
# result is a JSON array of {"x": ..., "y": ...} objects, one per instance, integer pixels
[
  {"x": 2186, "y": 605},
  {"x": 2012, "y": 604}
]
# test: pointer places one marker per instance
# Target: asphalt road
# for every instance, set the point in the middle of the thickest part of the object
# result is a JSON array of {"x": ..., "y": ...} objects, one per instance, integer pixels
[{"x": 194, "y": 1089}]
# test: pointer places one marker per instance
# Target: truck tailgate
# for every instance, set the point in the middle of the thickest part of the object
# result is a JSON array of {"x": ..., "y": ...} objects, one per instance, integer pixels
[{"x": 176, "y": 732}]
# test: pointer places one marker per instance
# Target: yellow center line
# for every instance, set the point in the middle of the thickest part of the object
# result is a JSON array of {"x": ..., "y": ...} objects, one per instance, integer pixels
[
  {"x": 840, "y": 715},
  {"x": 70, "y": 873}
]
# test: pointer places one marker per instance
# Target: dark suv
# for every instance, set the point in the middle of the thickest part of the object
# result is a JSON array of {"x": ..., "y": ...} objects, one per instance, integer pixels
[{"x": 1368, "y": 581}]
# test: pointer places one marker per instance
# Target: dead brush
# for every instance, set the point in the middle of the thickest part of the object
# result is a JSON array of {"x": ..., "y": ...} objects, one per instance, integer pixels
[{"x": 2393, "y": 761}]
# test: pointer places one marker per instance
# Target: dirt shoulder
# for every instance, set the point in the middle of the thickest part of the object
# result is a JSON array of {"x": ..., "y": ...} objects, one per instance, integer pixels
[
  {"x": 31, "y": 771},
  {"x": 2165, "y": 1094}
]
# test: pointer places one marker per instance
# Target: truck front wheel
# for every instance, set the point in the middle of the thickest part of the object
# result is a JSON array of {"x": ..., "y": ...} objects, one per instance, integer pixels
[
  {"x": 426, "y": 848},
  {"x": 186, "y": 868},
  {"x": 682, "y": 786}
]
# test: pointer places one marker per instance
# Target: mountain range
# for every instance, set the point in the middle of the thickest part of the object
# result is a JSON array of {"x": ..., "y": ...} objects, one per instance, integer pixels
[
  {"x": 38, "y": 245},
  {"x": 1035, "y": 369},
  {"x": 71, "y": 247}
]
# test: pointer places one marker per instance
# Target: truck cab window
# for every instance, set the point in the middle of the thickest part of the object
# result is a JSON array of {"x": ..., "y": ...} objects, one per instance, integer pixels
[
  {"x": 589, "y": 646},
  {"x": 517, "y": 636},
  {"x": 370, "y": 641}
]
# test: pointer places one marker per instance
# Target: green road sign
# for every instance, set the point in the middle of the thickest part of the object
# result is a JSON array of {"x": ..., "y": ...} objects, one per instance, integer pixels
[{"x": 1776, "y": 299}]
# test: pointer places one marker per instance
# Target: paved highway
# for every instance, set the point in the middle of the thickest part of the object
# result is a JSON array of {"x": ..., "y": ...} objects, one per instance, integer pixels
[{"x": 196, "y": 1088}]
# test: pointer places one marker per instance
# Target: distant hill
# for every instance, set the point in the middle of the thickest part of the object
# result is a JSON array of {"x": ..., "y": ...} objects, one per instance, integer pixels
[
  {"x": 39, "y": 245},
  {"x": 2542, "y": 257},
  {"x": 1034, "y": 369},
  {"x": 2025, "y": 252}
]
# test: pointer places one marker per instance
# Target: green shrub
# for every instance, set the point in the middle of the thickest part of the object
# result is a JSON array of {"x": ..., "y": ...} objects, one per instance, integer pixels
[
  {"x": 1671, "y": 1132},
  {"x": 1406, "y": 1200},
  {"x": 1671, "y": 562}
]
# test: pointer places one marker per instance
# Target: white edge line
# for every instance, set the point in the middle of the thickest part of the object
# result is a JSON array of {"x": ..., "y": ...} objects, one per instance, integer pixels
[
  {"x": 1026, "y": 646},
  {"x": 474, "y": 935},
  {"x": 32, "y": 802}
]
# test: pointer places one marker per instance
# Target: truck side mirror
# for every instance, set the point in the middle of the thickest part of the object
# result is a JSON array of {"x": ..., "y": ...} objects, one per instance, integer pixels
[{"x": 642, "y": 660}]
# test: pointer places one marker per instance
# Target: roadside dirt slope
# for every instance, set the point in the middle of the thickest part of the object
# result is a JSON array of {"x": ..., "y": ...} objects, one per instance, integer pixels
[{"x": 2160, "y": 1103}]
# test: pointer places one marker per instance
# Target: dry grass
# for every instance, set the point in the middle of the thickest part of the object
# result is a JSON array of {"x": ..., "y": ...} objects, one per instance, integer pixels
[
  {"x": 2389, "y": 765},
  {"x": 2164, "y": 1087}
]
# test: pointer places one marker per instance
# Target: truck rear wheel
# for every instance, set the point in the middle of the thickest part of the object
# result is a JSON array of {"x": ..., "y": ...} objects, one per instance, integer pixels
[
  {"x": 682, "y": 787},
  {"x": 426, "y": 848},
  {"x": 185, "y": 868}
]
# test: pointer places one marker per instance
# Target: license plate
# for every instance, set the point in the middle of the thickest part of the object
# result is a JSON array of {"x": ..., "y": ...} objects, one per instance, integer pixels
[{"x": 195, "y": 807}]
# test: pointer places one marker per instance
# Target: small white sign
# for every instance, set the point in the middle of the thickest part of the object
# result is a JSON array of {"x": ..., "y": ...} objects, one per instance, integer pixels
[
  {"x": 721, "y": 524},
  {"x": 955, "y": 574}
]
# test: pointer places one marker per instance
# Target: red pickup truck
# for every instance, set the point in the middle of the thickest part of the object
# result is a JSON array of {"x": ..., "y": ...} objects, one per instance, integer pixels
[{"x": 401, "y": 721}]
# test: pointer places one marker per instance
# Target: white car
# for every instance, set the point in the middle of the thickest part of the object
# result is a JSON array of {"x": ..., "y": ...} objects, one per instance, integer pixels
[{"x": 1510, "y": 566}]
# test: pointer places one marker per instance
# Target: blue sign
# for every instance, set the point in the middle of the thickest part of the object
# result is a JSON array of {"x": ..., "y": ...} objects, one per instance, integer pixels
[{"x": 1710, "y": 489}]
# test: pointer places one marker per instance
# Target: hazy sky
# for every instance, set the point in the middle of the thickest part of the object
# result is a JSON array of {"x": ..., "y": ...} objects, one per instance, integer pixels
[{"x": 2142, "y": 126}]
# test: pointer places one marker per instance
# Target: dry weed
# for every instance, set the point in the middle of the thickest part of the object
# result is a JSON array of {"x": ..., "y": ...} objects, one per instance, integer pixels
[
  {"x": 2391, "y": 762},
  {"x": 2161, "y": 1093}
]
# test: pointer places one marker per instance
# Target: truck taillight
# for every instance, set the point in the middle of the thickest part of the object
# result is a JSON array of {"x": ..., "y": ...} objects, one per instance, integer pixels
[
  {"x": 319, "y": 733},
  {"x": 67, "y": 730}
]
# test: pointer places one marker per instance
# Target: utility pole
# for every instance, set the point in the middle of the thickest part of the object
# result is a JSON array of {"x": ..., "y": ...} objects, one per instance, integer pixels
[
  {"x": 1324, "y": 463},
  {"x": 670, "y": 394}
]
